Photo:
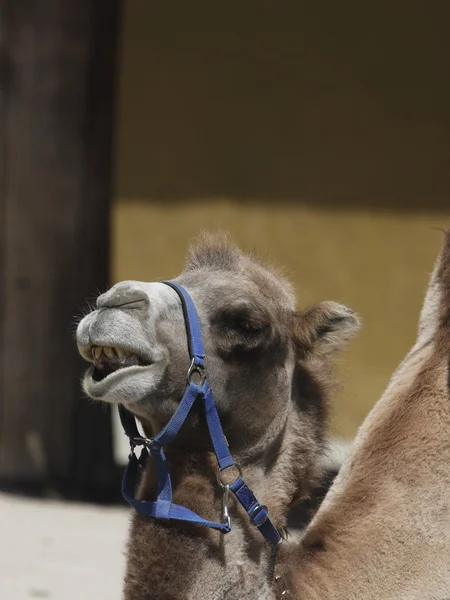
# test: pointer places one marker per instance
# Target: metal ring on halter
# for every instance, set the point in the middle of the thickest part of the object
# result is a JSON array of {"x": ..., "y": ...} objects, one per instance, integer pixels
[
  {"x": 225, "y": 514},
  {"x": 255, "y": 511},
  {"x": 140, "y": 441},
  {"x": 218, "y": 475},
  {"x": 196, "y": 370}
]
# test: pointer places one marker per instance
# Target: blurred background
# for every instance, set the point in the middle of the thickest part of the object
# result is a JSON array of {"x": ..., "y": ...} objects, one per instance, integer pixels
[{"x": 316, "y": 133}]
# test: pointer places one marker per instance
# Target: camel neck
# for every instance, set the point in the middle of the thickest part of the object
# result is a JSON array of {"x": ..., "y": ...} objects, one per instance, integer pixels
[{"x": 208, "y": 563}]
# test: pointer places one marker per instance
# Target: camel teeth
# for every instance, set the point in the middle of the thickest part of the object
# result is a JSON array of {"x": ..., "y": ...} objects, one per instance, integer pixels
[
  {"x": 109, "y": 352},
  {"x": 120, "y": 353}
]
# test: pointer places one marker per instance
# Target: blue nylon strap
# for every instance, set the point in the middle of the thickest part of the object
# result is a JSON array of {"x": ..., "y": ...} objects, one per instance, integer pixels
[
  {"x": 218, "y": 439},
  {"x": 164, "y": 494},
  {"x": 156, "y": 509},
  {"x": 258, "y": 513},
  {"x": 192, "y": 322},
  {"x": 163, "y": 506},
  {"x": 178, "y": 417}
]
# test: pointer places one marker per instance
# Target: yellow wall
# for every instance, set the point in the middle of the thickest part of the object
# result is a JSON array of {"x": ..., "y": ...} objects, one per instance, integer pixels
[{"x": 318, "y": 137}]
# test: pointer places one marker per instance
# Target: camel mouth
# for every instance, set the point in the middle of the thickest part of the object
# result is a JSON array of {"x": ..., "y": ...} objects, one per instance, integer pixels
[
  {"x": 118, "y": 374},
  {"x": 110, "y": 359}
]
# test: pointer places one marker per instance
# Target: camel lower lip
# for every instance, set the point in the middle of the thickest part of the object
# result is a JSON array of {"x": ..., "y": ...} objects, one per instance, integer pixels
[{"x": 101, "y": 387}]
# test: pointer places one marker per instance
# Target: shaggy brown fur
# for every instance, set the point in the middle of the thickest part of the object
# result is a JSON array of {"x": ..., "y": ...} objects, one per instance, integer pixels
[
  {"x": 383, "y": 531},
  {"x": 268, "y": 367}
]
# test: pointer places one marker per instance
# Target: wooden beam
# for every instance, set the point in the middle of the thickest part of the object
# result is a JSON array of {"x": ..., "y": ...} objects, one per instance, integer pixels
[{"x": 58, "y": 64}]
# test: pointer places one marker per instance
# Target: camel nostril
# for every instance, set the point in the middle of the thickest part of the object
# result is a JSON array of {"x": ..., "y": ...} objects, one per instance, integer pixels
[{"x": 123, "y": 295}]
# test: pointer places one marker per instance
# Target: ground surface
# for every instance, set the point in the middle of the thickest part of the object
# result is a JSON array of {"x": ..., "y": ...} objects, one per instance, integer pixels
[{"x": 60, "y": 551}]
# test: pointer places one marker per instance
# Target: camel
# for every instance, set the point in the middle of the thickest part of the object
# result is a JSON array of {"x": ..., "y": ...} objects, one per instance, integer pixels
[
  {"x": 270, "y": 369},
  {"x": 383, "y": 530}
]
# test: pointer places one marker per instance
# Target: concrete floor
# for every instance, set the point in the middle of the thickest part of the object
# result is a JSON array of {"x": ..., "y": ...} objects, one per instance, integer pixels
[{"x": 60, "y": 551}]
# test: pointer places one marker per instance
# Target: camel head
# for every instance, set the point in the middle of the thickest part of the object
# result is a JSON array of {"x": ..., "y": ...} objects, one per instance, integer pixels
[{"x": 265, "y": 362}]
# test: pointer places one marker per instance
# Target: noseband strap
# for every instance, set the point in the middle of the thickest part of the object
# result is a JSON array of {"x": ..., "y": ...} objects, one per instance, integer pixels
[{"x": 197, "y": 390}]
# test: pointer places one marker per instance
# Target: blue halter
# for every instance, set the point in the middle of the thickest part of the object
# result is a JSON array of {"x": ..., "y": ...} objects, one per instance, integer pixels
[{"x": 163, "y": 507}]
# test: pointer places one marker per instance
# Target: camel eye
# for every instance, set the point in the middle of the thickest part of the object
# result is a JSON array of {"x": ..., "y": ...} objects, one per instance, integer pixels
[
  {"x": 240, "y": 322},
  {"x": 245, "y": 326}
]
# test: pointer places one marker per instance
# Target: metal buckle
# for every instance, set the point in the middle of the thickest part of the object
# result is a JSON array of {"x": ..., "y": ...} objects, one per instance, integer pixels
[
  {"x": 140, "y": 441},
  {"x": 219, "y": 479},
  {"x": 225, "y": 518},
  {"x": 198, "y": 370},
  {"x": 255, "y": 511}
]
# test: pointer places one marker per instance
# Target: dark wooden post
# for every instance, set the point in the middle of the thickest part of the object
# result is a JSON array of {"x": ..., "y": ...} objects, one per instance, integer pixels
[{"x": 57, "y": 80}]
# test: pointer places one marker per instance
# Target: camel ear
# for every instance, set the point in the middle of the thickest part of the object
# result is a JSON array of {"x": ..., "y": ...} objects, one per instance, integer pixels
[{"x": 324, "y": 328}]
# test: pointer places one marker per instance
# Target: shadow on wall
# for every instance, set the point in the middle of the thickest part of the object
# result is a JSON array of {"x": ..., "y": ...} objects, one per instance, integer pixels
[{"x": 295, "y": 102}]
